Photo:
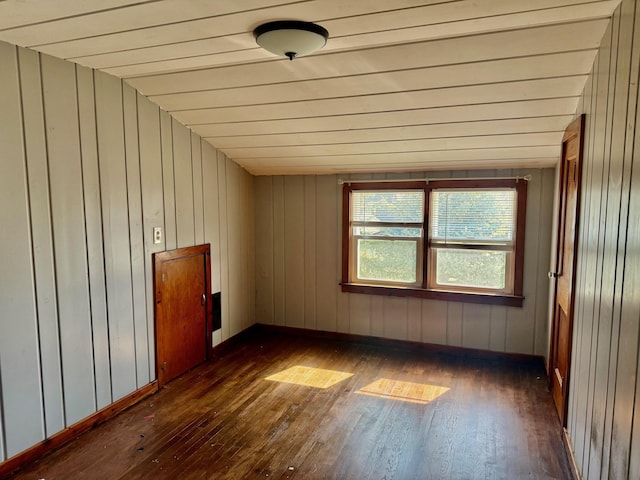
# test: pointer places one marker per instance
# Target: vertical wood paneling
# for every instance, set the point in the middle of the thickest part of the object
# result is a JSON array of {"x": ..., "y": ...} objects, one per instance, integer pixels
[
  {"x": 279, "y": 270},
  {"x": 42, "y": 239},
  {"x": 211, "y": 211},
  {"x": 136, "y": 240},
  {"x": 23, "y": 422},
  {"x": 294, "y": 251},
  {"x": 67, "y": 210},
  {"x": 454, "y": 324},
  {"x": 377, "y": 316},
  {"x": 434, "y": 322},
  {"x": 224, "y": 242},
  {"x": 152, "y": 205},
  {"x": 582, "y": 339},
  {"x": 115, "y": 219},
  {"x": 395, "y": 314},
  {"x": 234, "y": 263},
  {"x": 545, "y": 232},
  {"x": 603, "y": 414},
  {"x": 608, "y": 225},
  {"x": 310, "y": 248},
  {"x": 183, "y": 177},
  {"x": 264, "y": 251},
  {"x": 93, "y": 225},
  {"x": 630, "y": 319},
  {"x": 595, "y": 193},
  {"x": 87, "y": 172},
  {"x": 414, "y": 319},
  {"x": 498, "y": 333},
  {"x": 625, "y": 423},
  {"x": 249, "y": 248},
  {"x": 168, "y": 181},
  {"x": 198, "y": 200},
  {"x": 236, "y": 256},
  {"x": 619, "y": 174},
  {"x": 326, "y": 255},
  {"x": 360, "y": 315},
  {"x": 476, "y": 326},
  {"x": 608, "y": 331}
]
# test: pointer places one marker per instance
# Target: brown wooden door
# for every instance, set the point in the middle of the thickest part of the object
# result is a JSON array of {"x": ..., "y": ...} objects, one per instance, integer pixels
[
  {"x": 562, "y": 325},
  {"x": 181, "y": 282}
]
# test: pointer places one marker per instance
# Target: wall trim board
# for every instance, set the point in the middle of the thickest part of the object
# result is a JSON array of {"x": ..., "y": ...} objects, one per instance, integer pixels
[
  {"x": 230, "y": 343},
  {"x": 573, "y": 465},
  {"x": 464, "y": 352},
  {"x": 61, "y": 438}
]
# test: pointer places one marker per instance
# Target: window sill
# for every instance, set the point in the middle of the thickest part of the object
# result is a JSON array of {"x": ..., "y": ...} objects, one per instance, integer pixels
[{"x": 482, "y": 298}]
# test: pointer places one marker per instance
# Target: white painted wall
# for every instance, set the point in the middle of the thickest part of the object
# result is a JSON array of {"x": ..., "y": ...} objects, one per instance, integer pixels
[
  {"x": 87, "y": 168},
  {"x": 298, "y": 227}
]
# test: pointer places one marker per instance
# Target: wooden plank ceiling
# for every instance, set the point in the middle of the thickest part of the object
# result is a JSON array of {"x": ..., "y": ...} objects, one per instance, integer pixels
[{"x": 401, "y": 85}]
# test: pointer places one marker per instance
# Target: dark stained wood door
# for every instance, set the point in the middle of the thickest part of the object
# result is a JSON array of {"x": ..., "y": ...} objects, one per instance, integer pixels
[
  {"x": 181, "y": 282},
  {"x": 564, "y": 274}
]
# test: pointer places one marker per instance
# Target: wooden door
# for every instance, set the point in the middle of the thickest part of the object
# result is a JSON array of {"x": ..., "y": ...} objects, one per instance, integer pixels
[
  {"x": 183, "y": 333},
  {"x": 564, "y": 274}
]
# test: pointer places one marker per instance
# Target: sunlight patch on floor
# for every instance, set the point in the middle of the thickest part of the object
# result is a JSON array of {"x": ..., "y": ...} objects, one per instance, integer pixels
[
  {"x": 309, "y": 376},
  {"x": 405, "y": 391}
]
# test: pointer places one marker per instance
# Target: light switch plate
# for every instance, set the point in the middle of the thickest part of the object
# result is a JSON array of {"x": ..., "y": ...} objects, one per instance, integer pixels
[{"x": 157, "y": 235}]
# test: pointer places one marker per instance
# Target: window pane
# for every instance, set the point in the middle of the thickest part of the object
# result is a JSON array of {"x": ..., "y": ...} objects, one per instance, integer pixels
[
  {"x": 390, "y": 206},
  {"x": 483, "y": 215},
  {"x": 373, "y": 231},
  {"x": 471, "y": 268},
  {"x": 387, "y": 260}
]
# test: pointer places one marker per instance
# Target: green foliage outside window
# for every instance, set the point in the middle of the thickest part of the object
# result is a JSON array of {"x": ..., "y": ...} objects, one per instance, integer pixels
[
  {"x": 388, "y": 221},
  {"x": 471, "y": 268},
  {"x": 387, "y": 260}
]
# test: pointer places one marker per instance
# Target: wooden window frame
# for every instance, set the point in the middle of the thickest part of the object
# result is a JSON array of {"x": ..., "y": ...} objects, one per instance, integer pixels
[{"x": 469, "y": 296}]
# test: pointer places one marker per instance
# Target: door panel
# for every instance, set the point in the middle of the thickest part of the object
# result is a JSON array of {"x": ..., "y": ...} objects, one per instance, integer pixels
[
  {"x": 562, "y": 327},
  {"x": 181, "y": 306}
]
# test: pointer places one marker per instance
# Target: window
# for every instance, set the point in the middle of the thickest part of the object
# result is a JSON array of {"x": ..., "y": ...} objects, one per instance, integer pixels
[
  {"x": 448, "y": 239},
  {"x": 387, "y": 236}
]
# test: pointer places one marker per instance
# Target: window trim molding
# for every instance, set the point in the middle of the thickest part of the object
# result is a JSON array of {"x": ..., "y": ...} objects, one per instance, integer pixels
[{"x": 514, "y": 300}]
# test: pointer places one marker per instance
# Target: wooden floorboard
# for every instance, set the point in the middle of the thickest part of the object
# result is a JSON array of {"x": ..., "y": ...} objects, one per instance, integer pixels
[{"x": 225, "y": 420}]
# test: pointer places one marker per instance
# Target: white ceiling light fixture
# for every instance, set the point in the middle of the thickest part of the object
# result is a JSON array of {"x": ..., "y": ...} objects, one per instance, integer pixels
[{"x": 291, "y": 38}]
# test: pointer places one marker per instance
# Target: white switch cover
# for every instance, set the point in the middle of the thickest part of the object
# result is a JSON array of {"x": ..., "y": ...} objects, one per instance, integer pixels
[{"x": 157, "y": 234}]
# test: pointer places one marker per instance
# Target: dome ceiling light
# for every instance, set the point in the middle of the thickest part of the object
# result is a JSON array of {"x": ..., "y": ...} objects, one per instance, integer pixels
[{"x": 291, "y": 38}]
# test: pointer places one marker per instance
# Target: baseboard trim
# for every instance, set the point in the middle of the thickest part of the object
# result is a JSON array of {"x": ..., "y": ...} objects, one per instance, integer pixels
[
  {"x": 573, "y": 465},
  {"x": 231, "y": 342},
  {"x": 400, "y": 344},
  {"x": 57, "y": 440}
]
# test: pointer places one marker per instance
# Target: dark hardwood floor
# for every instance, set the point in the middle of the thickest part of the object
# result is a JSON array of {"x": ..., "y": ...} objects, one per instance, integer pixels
[{"x": 493, "y": 419}]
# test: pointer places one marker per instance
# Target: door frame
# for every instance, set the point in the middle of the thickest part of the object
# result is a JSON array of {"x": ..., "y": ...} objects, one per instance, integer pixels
[
  {"x": 575, "y": 128},
  {"x": 168, "y": 255}
]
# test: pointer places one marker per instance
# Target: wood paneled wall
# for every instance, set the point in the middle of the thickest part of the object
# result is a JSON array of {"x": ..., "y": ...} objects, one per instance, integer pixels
[
  {"x": 298, "y": 227},
  {"x": 604, "y": 408},
  {"x": 87, "y": 168}
]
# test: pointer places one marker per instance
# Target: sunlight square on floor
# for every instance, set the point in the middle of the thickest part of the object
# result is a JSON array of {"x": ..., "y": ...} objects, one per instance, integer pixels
[
  {"x": 405, "y": 391},
  {"x": 310, "y": 376}
]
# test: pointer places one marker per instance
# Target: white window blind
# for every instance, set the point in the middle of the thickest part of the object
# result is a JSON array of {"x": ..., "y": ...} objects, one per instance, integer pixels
[
  {"x": 388, "y": 206},
  {"x": 473, "y": 215}
]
